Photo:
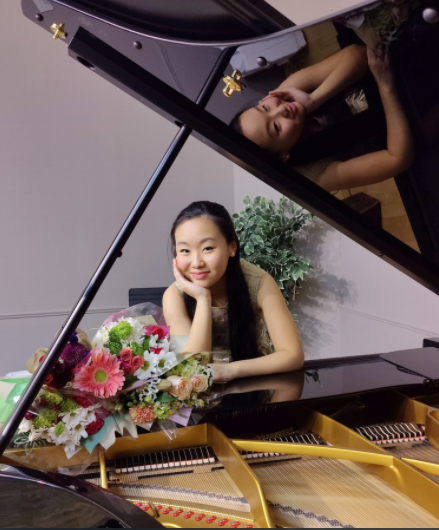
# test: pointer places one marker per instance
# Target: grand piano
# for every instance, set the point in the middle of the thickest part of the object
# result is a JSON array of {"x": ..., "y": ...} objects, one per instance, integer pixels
[{"x": 343, "y": 443}]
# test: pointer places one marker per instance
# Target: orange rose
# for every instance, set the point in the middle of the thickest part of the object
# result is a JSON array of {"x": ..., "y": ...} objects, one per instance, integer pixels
[
  {"x": 181, "y": 387},
  {"x": 200, "y": 383}
]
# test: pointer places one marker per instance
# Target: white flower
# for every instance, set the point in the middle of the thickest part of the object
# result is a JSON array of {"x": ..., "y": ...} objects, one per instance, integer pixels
[
  {"x": 71, "y": 447},
  {"x": 79, "y": 431},
  {"x": 59, "y": 439},
  {"x": 137, "y": 334},
  {"x": 146, "y": 373},
  {"x": 26, "y": 426},
  {"x": 39, "y": 434},
  {"x": 81, "y": 415},
  {"x": 165, "y": 345},
  {"x": 102, "y": 336},
  {"x": 166, "y": 361}
]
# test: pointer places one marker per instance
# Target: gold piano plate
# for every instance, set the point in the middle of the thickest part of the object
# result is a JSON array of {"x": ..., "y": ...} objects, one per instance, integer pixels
[{"x": 262, "y": 484}]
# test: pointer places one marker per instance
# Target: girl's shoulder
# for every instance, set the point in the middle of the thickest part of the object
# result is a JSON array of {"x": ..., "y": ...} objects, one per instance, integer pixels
[
  {"x": 253, "y": 275},
  {"x": 251, "y": 270},
  {"x": 173, "y": 293}
]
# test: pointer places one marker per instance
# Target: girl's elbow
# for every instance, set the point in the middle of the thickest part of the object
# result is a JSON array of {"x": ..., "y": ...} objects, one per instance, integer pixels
[
  {"x": 297, "y": 360},
  {"x": 404, "y": 162}
]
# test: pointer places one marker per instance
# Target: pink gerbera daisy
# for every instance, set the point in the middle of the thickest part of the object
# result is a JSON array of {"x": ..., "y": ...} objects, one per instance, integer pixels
[{"x": 103, "y": 377}]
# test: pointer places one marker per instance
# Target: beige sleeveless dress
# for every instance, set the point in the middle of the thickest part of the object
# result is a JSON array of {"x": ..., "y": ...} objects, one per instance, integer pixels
[{"x": 220, "y": 322}]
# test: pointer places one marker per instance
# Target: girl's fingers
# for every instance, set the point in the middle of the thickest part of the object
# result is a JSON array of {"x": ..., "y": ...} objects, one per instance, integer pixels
[{"x": 177, "y": 272}]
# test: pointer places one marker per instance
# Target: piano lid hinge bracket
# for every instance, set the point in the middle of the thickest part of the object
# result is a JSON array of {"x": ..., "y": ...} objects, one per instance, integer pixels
[
  {"x": 58, "y": 31},
  {"x": 233, "y": 83}
]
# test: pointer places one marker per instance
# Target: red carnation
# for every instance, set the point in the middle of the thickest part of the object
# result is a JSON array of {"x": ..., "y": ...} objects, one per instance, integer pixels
[
  {"x": 157, "y": 351},
  {"x": 95, "y": 426},
  {"x": 83, "y": 401},
  {"x": 162, "y": 332}
]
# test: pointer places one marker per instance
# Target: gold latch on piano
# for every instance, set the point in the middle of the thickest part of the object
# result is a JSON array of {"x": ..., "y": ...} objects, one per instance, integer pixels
[
  {"x": 58, "y": 31},
  {"x": 232, "y": 83}
]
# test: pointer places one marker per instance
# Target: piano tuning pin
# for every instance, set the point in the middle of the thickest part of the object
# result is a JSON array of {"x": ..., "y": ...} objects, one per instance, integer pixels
[
  {"x": 232, "y": 83},
  {"x": 58, "y": 31}
]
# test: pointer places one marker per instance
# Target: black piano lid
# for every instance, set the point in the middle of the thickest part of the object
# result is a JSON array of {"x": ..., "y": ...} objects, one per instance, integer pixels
[
  {"x": 424, "y": 361},
  {"x": 119, "y": 63},
  {"x": 325, "y": 378},
  {"x": 32, "y": 499}
]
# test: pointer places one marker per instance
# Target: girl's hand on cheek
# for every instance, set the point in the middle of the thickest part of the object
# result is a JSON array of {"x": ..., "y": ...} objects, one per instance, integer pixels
[
  {"x": 293, "y": 95},
  {"x": 188, "y": 287}
]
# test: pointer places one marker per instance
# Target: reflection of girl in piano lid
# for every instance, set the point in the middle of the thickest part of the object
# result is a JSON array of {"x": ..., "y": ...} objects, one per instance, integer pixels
[
  {"x": 222, "y": 302},
  {"x": 287, "y": 116}
]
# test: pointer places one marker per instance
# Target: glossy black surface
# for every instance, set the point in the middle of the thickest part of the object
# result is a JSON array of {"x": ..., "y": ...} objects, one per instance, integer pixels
[
  {"x": 195, "y": 20},
  {"x": 32, "y": 499},
  {"x": 424, "y": 361},
  {"x": 331, "y": 378},
  {"x": 271, "y": 404}
]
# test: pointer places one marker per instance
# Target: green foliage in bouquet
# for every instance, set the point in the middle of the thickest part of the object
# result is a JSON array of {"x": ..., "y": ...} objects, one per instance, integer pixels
[
  {"x": 267, "y": 233},
  {"x": 388, "y": 19}
]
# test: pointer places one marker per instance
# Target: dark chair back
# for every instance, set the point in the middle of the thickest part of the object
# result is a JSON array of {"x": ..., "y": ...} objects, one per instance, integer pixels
[{"x": 146, "y": 294}]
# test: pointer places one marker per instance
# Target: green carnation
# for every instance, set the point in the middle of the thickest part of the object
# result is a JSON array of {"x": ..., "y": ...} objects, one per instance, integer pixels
[
  {"x": 51, "y": 397},
  {"x": 120, "y": 332},
  {"x": 45, "y": 418},
  {"x": 186, "y": 368},
  {"x": 162, "y": 410},
  {"x": 115, "y": 346},
  {"x": 68, "y": 405},
  {"x": 136, "y": 348}
]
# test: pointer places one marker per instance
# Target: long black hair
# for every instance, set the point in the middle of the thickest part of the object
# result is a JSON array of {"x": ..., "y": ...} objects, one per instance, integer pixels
[{"x": 241, "y": 317}]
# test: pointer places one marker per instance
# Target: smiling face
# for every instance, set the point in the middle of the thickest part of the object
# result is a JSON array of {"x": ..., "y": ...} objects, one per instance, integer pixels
[
  {"x": 274, "y": 124},
  {"x": 202, "y": 251}
]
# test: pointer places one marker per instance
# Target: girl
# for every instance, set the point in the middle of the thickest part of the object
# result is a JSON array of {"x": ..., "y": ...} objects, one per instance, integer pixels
[
  {"x": 283, "y": 118},
  {"x": 221, "y": 302}
]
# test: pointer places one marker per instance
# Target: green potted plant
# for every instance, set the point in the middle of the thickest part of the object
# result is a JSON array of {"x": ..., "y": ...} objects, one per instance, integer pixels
[{"x": 267, "y": 232}]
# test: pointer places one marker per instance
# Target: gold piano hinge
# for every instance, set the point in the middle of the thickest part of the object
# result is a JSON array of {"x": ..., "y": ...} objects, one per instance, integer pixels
[
  {"x": 232, "y": 83},
  {"x": 58, "y": 31}
]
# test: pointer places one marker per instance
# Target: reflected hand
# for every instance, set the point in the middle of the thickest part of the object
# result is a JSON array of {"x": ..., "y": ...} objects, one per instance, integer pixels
[
  {"x": 188, "y": 287},
  {"x": 293, "y": 95},
  {"x": 380, "y": 65},
  {"x": 223, "y": 372}
]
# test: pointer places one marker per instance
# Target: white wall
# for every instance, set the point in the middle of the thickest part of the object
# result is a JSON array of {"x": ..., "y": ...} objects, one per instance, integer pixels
[
  {"x": 75, "y": 153},
  {"x": 353, "y": 303}
]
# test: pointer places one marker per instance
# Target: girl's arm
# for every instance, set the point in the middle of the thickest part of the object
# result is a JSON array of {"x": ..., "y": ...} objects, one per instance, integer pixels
[
  {"x": 381, "y": 165},
  {"x": 288, "y": 355},
  {"x": 329, "y": 77},
  {"x": 200, "y": 329}
]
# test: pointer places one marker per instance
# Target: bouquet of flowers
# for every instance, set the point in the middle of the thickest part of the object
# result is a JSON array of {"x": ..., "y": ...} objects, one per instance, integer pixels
[
  {"x": 61, "y": 419},
  {"x": 383, "y": 23},
  {"x": 128, "y": 376}
]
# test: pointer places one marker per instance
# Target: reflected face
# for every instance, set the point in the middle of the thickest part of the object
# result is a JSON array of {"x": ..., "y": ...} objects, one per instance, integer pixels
[
  {"x": 274, "y": 124},
  {"x": 202, "y": 252}
]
